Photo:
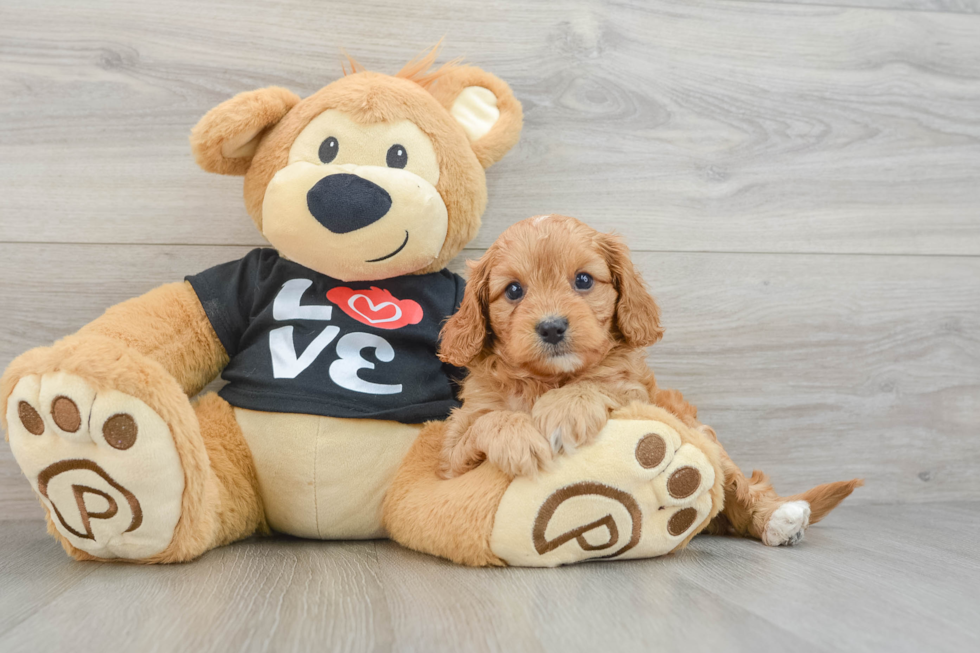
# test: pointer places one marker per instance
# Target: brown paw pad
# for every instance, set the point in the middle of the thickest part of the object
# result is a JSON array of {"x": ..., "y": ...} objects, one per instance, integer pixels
[
  {"x": 684, "y": 482},
  {"x": 650, "y": 451},
  {"x": 65, "y": 414},
  {"x": 681, "y": 521},
  {"x": 120, "y": 431},
  {"x": 30, "y": 418}
]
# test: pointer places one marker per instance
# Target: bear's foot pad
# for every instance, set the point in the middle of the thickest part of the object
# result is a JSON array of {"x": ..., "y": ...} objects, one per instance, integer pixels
[
  {"x": 103, "y": 463},
  {"x": 637, "y": 492}
]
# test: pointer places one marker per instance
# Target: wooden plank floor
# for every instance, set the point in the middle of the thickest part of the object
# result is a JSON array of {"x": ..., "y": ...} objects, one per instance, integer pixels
[{"x": 869, "y": 578}]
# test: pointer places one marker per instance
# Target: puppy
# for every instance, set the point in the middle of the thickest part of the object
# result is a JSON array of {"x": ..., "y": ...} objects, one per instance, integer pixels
[
  {"x": 569, "y": 320},
  {"x": 553, "y": 327}
]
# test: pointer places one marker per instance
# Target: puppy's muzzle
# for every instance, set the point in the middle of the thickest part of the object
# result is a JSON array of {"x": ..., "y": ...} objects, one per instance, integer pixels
[
  {"x": 552, "y": 330},
  {"x": 344, "y": 203}
]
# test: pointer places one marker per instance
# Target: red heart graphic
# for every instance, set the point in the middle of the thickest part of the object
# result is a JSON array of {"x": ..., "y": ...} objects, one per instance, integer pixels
[{"x": 376, "y": 307}]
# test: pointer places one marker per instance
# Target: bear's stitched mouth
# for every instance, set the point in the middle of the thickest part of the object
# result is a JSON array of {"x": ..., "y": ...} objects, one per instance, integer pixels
[{"x": 388, "y": 256}]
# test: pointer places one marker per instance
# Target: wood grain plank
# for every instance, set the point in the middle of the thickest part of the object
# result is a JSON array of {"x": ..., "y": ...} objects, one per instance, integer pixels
[
  {"x": 722, "y": 126},
  {"x": 947, "y": 6},
  {"x": 856, "y": 584},
  {"x": 819, "y": 368},
  {"x": 261, "y": 595},
  {"x": 943, "y": 534},
  {"x": 869, "y": 578},
  {"x": 589, "y": 607},
  {"x": 813, "y": 368},
  {"x": 34, "y": 570},
  {"x": 838, "y": 579}
]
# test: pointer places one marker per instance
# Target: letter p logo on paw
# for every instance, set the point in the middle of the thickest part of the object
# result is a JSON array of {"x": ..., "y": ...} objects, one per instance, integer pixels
[
  {"x": 64, "y": 473},
  {"x": 601, "y": 534}
]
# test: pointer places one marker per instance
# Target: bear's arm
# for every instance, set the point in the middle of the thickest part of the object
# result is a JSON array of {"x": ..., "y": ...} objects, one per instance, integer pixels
[{"x": 169, "y": 325}]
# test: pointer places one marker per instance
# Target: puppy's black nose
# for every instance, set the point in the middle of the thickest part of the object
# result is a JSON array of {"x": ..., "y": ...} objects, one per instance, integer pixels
[
  {"x": 552, "y": 330},
  {"x": 343, "y": 203}
]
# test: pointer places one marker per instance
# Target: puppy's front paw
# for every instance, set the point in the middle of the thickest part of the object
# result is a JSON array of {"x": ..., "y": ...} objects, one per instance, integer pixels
[
  {"x": 516, "y": 447},
  {"x": 569, "y": 418}
]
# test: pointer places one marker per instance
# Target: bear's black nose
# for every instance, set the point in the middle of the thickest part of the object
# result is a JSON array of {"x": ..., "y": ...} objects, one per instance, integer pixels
[
  {"x": 552, "y": 330},
  {"x": 343, "y": 203}
]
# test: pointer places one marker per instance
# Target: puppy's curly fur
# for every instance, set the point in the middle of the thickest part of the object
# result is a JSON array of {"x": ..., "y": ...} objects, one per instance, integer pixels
[
  {"x": 526, "y": 399},
  {"x": 553, "y": 327}
]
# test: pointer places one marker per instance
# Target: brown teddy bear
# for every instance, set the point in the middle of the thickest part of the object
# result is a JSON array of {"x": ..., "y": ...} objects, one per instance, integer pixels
[
  {"x": 328, "y": 342},
  {"x": 366, "y": 189}
]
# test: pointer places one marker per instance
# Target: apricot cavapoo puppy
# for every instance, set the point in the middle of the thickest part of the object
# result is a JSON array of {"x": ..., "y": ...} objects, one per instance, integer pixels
[{"x": 553, "y": 327}]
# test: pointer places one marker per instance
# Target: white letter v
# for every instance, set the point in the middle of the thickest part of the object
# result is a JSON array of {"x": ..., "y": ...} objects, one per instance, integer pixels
[{"x": 285, "y": 363}]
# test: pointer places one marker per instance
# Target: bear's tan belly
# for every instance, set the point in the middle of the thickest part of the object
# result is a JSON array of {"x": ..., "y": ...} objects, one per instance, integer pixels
[{"x": 324, "y": 477}]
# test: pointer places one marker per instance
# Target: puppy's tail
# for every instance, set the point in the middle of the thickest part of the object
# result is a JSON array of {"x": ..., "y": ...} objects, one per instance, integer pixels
[{"x": 826, "y": 497}]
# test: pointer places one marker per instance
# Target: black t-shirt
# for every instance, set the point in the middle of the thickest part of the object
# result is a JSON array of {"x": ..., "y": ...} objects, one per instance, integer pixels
[{"x": 301, "y": 342}]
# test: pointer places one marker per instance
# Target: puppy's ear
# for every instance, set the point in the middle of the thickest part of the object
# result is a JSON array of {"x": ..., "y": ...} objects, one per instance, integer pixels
[
  {"x": 484, "y": 106},
  {"x": 466, "y": 333},
  {"x": 637, "y": 314},
  {"x": 225, "y": 139}
]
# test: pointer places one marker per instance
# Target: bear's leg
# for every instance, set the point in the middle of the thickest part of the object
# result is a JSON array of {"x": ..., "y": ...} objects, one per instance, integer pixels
[
  {"x": 448, "y": 518},
  {"x": 114, "y": 450},
  {"x": 238, "y": 509},
  {"x": 644, "y": 488}
]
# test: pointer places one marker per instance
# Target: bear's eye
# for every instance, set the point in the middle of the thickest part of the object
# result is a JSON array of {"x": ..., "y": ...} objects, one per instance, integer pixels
[
  {"x": 514, "y": 291},
  {"x": 583, "y": 281},
  {"x": 397, "y": 156},
  {"x": 328, "y": 149}
]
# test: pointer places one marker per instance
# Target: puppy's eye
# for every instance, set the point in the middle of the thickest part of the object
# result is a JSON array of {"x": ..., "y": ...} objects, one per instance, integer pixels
[
  {"x": 583, "y": 281},
  {"x": 397, "y": 156},
  {"x": 328, "y": 149},
  {"x": 514, "y": 291}
]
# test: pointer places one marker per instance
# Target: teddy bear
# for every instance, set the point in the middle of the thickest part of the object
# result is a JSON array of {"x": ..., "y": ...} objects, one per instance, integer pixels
[{"x": 330, "y": 421}]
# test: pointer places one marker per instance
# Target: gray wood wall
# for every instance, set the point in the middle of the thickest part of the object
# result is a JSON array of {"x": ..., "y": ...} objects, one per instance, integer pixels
[{"x": 799, "y": 181}]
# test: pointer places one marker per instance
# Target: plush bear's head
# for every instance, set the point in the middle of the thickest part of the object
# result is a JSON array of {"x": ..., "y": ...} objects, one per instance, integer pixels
[{"x": 373, "y": 176}]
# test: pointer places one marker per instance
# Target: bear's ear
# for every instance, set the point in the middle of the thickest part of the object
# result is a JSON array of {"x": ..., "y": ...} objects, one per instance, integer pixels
[
  {"x": 485, "y": 107},
  {"x": 225, "y": 139}
]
